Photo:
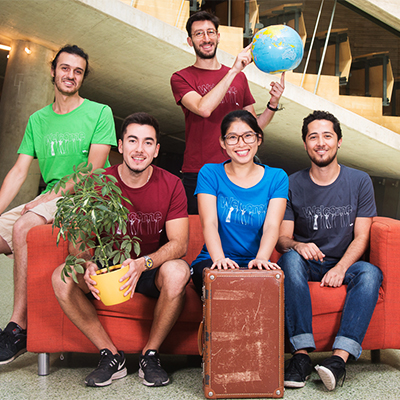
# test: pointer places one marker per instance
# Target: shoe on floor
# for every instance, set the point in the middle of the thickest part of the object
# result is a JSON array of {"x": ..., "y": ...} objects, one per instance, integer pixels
[
  {"x": 151, "y": 371},
  {"x": 111, "y": 366},
  {"x": 331, "y": 370},
  {"x": 297, "y": 370},
  {"x": 12, "y": 343}
]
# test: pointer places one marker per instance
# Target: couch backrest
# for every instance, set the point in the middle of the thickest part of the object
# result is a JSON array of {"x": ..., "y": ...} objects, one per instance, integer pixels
[{"x": 196, "y": 239}]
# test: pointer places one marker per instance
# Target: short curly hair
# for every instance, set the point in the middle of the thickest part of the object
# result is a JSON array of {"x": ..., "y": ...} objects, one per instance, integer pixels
[
  {"x": 319, "y": 115},
  {"x": 201, "y": 16}
]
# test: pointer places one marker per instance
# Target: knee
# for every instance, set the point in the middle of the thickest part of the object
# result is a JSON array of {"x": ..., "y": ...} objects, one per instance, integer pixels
[
  {"x": 174, "y": 277},
  {"x": 291, "y": 262},
  {"x": 60, "y": 288},
  {"x": 370, "y": 275},
  {"x": 21, "y": 228}
]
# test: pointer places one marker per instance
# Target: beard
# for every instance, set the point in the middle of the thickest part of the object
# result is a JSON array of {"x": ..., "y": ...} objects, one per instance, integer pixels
[
  {"x": 70, "y": 92},
  {"x": 138, "y": 170},
  {"x": 322, "y": 162},
  {"x": 205, "y": 56}
]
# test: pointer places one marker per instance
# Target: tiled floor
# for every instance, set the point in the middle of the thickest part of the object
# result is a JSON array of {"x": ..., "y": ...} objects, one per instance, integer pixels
[{"x": 19, "y": 380}]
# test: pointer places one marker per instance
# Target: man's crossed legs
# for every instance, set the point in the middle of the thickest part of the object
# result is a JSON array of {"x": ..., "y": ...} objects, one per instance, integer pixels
[
  {"x": 363, "y": 281},
  {"x": 14, "y": 228}
]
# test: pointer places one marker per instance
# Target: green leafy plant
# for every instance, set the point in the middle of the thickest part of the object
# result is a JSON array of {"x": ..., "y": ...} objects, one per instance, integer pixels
[{"x": 93, "y": 217}]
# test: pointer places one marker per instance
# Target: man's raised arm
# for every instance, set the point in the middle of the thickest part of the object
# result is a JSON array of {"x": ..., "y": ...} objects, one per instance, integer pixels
[{"x": 205, "y": 105}]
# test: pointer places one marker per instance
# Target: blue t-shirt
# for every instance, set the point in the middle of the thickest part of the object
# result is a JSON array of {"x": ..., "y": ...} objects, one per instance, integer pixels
[
  {"x": 325, "y": 215},
  {"x": 241, "y": 211}
]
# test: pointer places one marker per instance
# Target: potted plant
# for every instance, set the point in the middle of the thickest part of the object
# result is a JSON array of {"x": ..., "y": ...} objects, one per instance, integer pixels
[{"x": 94, "y": 218}]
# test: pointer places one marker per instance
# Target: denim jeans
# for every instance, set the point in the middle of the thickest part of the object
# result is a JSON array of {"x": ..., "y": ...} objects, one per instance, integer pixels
[{"x": 363, "y": 281}]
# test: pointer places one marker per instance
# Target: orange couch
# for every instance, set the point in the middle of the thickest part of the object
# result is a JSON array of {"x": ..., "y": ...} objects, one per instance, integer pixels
[{"x": 128, "y": 324}]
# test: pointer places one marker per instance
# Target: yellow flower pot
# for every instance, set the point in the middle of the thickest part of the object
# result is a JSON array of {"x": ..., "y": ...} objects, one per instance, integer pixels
[{"x": 108, "y": 283}]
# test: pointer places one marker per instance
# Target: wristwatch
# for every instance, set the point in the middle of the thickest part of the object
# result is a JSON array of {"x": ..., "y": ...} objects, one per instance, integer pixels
[
  {"x": 148, "y": 262},
  {"x": 272, "y": 108}
]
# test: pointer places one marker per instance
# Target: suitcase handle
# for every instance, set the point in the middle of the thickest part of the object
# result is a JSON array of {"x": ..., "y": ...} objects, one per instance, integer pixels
[{"x": 200, "y": 337}]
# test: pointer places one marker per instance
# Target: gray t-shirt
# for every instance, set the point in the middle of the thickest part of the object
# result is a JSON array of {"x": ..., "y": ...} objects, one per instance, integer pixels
[{"x": 325, "y": 215}]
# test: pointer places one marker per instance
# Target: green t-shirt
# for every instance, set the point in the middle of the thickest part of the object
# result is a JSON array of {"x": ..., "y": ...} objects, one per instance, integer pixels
[{"x": 60, "y": 141}]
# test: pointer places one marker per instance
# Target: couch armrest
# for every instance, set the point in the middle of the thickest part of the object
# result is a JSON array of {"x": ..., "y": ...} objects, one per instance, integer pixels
[
  {"x": 43, "y": 257},
  {"x": 385, "y": 254}
]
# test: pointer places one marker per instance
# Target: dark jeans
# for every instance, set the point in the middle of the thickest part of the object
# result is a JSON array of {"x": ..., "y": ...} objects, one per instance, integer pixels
[
  {"x": 363, "y": 281},
  {"x": 189, "y": 181}
]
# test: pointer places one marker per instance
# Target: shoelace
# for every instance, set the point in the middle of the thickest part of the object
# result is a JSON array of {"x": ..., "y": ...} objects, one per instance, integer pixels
[
  {"x": 4, "y": 335},
  {"x": 296, "y": 363},
  {"x": 152, "y": 361},
  {"x": 344, "y": 377},
  {"x": 336, "y": 366},
  {"x": 8, "y": 338},
  {"x": 105, "y": 361}
]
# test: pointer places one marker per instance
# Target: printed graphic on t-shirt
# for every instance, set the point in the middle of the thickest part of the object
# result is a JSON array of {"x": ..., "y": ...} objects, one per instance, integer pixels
[
  {"x": 64, "y": 143},
  {"x": 144, "y": 223},
  {"x": 321, "y": 217},
  {"x": 230, "y": 96},
  {"x": 234, "y": 211}
]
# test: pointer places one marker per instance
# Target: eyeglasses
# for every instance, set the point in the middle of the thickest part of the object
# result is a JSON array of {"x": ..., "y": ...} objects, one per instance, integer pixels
[
  {"x": 210, "y": 33},
  {"x": 247, "y": 137}
]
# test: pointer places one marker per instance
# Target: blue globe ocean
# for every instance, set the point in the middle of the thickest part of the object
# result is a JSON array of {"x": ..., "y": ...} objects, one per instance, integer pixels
[{"x": 277, "y": 48}]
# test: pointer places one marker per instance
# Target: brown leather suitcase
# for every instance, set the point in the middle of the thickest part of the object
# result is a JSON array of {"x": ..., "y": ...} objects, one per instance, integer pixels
[{"x": 243, "y": 333}]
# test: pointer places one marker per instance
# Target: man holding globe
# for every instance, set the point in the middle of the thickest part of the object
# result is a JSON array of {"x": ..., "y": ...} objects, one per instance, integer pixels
[{"x": 207, "y": 91}]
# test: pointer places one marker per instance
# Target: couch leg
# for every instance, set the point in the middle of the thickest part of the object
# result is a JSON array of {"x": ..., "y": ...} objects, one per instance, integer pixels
[
  {"x": 376, "y": 356},
  {"x": 43, "y": 364}
]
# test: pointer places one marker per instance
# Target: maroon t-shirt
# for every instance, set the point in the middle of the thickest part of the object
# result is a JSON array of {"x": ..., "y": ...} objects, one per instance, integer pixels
[
  {"x": 161, "y": 199},
  {"x": 202, "y": 134}
]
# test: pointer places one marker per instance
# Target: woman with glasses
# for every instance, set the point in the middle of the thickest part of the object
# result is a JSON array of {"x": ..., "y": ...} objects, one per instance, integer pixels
[{"x": 241, "y": 202}]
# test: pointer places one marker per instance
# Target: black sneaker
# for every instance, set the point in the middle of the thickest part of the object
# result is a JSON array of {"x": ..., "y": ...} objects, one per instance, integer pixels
[
  {"x": 12, "y": 343},
  {"x": 297, "y": 370},
  {"x": 331, "y": 371},
  {"x": 151, "y": 370},
  {"x": 110, "y": 367}
]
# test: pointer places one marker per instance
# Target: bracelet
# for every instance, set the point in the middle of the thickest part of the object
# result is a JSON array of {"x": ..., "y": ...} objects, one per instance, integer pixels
[{"x": 272, "y": 108}]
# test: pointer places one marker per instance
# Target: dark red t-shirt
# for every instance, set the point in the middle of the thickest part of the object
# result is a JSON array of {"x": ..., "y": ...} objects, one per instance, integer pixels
[
  {"x": 202, "y": 134},
  {"x": 161, "y": 199}
]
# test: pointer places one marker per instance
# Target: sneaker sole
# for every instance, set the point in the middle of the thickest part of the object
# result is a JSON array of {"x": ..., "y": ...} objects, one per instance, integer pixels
[
  {"x": 117, "y": 375},
  {"x": 154, "y": 384},
  {"x": 295, "y": 384},
  {"x": 326, "y": 376},
  {"x": 13, "y": 357}
]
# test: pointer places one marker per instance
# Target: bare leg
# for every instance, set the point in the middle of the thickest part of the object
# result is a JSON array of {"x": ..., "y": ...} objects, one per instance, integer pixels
[
  {"x": 21, "y": 229},
  {"x": 80, "y": 310},
  {"x": 171, "y": 280},
  {"x": 4, "y": 247}
]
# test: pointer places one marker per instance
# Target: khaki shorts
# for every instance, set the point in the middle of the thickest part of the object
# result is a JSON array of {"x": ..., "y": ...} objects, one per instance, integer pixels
[{"x": 8, "y": 219}]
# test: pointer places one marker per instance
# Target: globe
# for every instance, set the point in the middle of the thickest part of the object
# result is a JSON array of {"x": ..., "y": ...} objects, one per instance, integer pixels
[{"x": 277, "y": 48}]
